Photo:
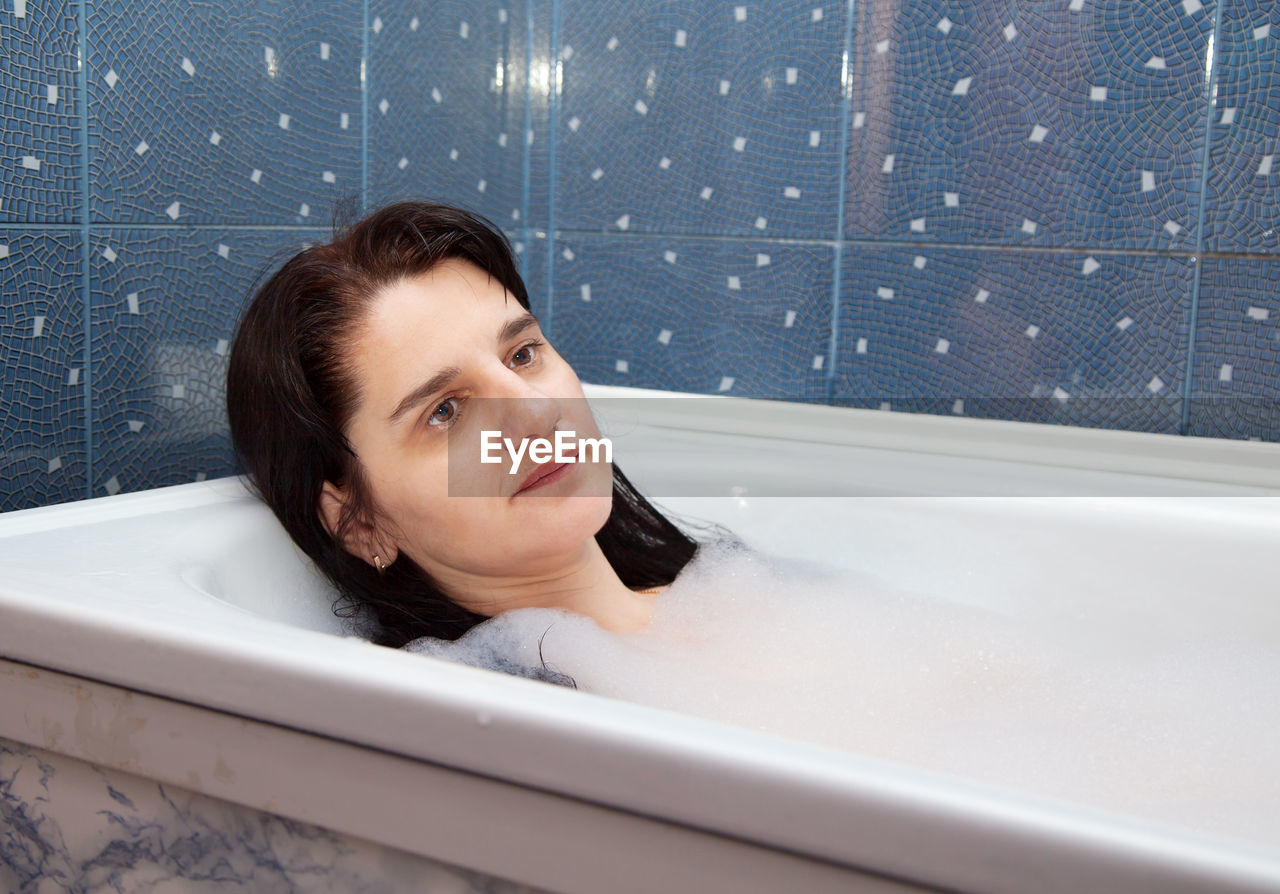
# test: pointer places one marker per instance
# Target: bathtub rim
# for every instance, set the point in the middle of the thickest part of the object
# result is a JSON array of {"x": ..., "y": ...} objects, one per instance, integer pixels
[{"x": 1149, "y": 454}]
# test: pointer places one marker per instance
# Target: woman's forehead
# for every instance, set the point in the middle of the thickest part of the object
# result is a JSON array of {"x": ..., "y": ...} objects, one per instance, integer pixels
[
  {"x": 422, "y": 324},
  {"x": 456, "y": 294},
  {"x": 450, "y": 281}
]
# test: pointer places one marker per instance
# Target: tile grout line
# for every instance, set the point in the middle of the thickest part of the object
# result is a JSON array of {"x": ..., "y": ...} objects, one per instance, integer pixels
[
  {"x": 527, "y": 162},
  {"x": 1211, "y": 74},
  {"x": 176, "y": 228},
  {"x": 918, "y": 247},
  {"x": 846, "y": 106},
  {"x": 1184, "y": 423},
  {"x": 553, "y": 120},
  {"x": 82, "y": 84},
  {"x": 365, "y": 72}
]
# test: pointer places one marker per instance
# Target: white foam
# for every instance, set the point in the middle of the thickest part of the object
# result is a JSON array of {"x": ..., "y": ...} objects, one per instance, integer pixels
[{"x": 1171, "y": 721}]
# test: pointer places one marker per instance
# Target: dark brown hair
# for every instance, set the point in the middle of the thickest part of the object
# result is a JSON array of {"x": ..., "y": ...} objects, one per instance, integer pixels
[{"x": 291, "y": 395}]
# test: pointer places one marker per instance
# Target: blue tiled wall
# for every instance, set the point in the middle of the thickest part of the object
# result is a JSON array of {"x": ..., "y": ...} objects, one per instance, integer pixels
[{"x": 1062, "y": 211}]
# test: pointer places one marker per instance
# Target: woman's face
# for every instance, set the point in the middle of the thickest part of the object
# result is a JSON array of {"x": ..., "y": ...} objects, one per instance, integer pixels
[{"x": 440, "y": 358}]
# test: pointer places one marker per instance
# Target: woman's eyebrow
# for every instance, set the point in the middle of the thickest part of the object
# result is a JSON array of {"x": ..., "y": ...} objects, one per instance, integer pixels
[
  {"x": 423, "y": 392},
  {"x": 516, "y": 326},
  {"x": 441, "y": 380}
]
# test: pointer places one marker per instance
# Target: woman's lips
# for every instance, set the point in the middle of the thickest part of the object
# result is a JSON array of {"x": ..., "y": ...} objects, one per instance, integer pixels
[{"x": 547, "y": 473}]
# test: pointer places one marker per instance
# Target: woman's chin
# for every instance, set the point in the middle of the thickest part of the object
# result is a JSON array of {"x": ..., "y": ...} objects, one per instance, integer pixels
[{"x": 567, "y": 524}]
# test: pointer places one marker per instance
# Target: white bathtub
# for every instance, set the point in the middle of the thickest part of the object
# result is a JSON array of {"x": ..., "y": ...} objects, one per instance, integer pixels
[{"x": 177, "y": 635}]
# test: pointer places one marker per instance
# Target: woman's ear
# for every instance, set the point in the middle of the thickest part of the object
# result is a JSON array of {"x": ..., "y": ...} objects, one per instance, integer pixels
[{"x": 360, "y": 538}]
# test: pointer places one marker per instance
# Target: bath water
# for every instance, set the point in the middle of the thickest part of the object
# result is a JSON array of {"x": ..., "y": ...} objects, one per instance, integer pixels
[{"x": 1107, "y": 712}]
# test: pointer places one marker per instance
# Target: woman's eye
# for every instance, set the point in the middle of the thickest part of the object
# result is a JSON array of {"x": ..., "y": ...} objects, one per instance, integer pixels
[
  {"x": 445, "y": 413},
  {"x": 525, "y": 355}
]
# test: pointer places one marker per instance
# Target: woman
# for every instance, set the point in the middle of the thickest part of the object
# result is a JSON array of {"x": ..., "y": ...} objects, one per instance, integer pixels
[{"x": 360, "y": 380}]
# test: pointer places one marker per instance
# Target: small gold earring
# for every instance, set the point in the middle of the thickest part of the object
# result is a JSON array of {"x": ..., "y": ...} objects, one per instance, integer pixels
[{"x": 377, "y": 563}]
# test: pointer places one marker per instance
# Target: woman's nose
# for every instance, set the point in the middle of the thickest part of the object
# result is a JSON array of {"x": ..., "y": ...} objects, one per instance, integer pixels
[{"x": 524, "y": 411}]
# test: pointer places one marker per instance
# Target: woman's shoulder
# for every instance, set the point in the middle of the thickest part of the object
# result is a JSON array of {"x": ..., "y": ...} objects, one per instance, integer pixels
[{"x": 504, "y": 643}]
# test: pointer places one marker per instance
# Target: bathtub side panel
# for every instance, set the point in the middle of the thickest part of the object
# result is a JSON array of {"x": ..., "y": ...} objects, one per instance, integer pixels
[
  {"x": 325, "y": 787},
  {"x": 93, "y": 827}
]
